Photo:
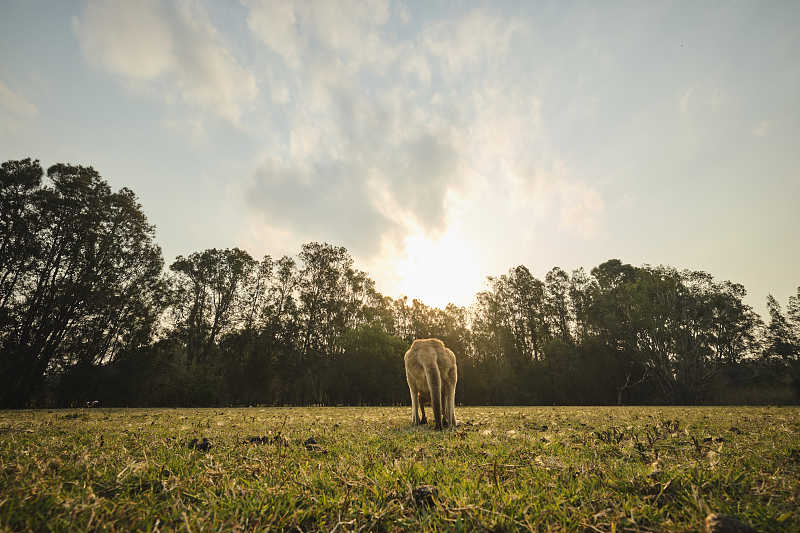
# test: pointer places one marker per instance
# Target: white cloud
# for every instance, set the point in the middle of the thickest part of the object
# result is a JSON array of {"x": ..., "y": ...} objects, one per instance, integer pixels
[
  {"x": 112, "y": 34},
  {"x": 761, "y": 129},
  {"x": 171, "y": 49},
  {"x": 476, "y": 39},
  {"x": 377, "y": 144},
  {"x": 704, "y": 99},
  {"x": 16, "y": 104},
  {"x": 402, "y": 12},
  {"x": 194, "y": 126},
  {"x": 582, "y": 208},
  {"x": 683, "y": 103},
  {"x": 417, "y": 64},
  {"x": 347, "y": 30},
  {"x": 374, "y": 162},
  {"x": 275, "y": 23},
  {"x": 397, "y": 149},
  {"x": 324, "y": 200},
  {"x": 280, "y": 94}
]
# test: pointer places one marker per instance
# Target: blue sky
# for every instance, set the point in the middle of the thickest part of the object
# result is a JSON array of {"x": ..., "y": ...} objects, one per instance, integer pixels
[{"x": 438, "y": 142}]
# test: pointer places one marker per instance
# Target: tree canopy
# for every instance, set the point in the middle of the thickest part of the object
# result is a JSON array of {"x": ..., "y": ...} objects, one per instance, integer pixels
[{"x": 88, "y": 312}]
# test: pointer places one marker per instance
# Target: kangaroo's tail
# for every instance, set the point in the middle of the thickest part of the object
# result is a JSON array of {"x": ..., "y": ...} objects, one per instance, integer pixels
[{"x": 435, "y": 388}]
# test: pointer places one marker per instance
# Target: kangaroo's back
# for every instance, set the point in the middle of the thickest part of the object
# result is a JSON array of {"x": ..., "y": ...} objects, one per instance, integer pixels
[{"x": 431, "y": 373}]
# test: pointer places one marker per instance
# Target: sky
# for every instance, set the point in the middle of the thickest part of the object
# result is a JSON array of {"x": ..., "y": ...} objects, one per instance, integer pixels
[{"x": 439, "y": 142}]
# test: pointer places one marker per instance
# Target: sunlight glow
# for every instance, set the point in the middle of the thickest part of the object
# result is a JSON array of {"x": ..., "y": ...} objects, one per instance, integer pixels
[{"x": 438, "y": 271}]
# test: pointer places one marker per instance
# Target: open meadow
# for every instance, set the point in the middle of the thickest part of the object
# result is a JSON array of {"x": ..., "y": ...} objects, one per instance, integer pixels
[{"x": 368, "y": 469}]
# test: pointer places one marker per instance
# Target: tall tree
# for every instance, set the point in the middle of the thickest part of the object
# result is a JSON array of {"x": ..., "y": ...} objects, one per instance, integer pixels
[
  {"x": 81, "y": 274},
  {"x": 20, "y": 183},
  {"x": 320, "y": 293},
  {"x": 557, "y": 301},
  {"x": 793, "y": 318},
  {"x": 527, "y": 311},
  {"x": 780, "y": 336},
  {"x": 207, "y": 292},
  {"x": 281, "y": 312},
  {"x": 583, "y": 289},
  {"x": 255, "y": 294},
  {"x": 613, "y": 322}
]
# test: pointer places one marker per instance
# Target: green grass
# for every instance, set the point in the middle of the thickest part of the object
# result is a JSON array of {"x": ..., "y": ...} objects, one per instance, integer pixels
[{"x": 503, "y": 468}]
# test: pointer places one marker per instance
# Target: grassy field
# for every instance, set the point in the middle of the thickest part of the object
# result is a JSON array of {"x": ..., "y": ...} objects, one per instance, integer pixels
[{"x": 344, "y": 469}]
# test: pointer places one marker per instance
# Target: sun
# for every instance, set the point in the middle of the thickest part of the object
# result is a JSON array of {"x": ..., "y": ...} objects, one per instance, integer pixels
[{"x": 438, "y": 271}]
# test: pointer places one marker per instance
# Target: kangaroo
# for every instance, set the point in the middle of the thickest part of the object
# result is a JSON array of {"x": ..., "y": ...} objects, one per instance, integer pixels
[{"x": 432, "y": 374}]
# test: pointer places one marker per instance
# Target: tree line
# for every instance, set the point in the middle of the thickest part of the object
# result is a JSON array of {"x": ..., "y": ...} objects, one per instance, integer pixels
[{"x": 88, "y": 312}]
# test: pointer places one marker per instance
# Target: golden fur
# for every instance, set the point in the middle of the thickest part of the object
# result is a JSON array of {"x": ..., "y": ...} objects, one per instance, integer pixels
[{"x": 432, "y": 374}]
